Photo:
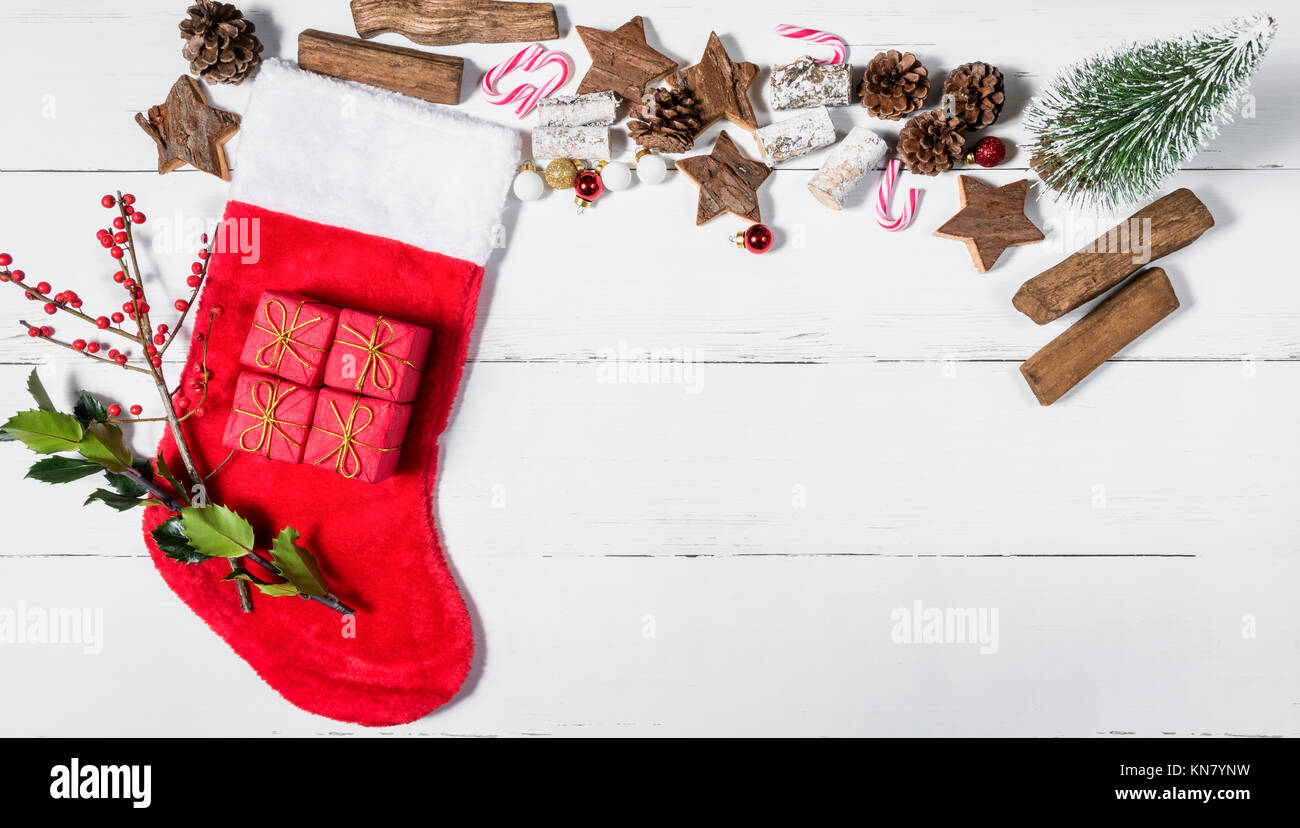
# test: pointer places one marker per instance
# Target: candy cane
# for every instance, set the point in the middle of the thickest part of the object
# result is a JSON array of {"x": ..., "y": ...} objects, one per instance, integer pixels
[
  {"x": 529, "y": 58},
  {"x": 839, "y": 52},
  {"x": 887, "y": 179}
]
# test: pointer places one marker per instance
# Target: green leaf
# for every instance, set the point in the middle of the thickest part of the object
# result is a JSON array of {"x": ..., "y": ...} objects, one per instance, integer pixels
[
  {"x": 117, "y": 501},
  {"x": 296, "y": 564},
  {"x": 126, "y": 485},
  {"x": 104, "y": 444},
  {"x": 89, "y": 410},
  {"x": 172, "y": 542},
  {"x": 62, "y": 469},
  {"x": 45, "y": 432},
  {"x": 39, "y": 393},
  {"x": 165, "y": 471},
  {"x": 276, "y": 590},
  {"x": 217, "y": 531}
]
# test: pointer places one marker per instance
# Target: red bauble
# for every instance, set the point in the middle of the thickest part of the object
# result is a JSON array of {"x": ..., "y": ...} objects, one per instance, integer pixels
[
  {"x": 990, "y": 151},
  {"x": 757, "y": 238},
  {"x": 588, "y": 187}
]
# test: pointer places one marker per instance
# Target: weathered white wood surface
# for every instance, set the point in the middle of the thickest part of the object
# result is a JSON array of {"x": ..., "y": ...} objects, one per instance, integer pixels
[{"x": 721, "y": 553}]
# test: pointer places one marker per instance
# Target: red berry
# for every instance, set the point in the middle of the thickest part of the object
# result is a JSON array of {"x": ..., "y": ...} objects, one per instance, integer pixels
[
  {"x": 79, "y": 344},
  {"x": 136, "y": 410},
  {"x": 33, "y": 331},
  {"x": 128, "y": 307},
  {"x": 182, "y": 403},
  {"x": 150, "y": 350},
  {"x": 157, "y": 361},
  {"x": 144, "y": 307},
  {"x": 17, "y": 275},
  {"x": 159, "y": 339},
  {"x": 92, "y": 347},
  {"x": 217, "y": 310},
  {"x": 162, "y": 327},
  {"x": 108, "y": 201},
  {"x": 46, "y": 330},
  {"x": 120, "y": 359},
  {"x": 120, "y": 237},
  {"x": 76, "y": 303},
  {"x": 119, "y": 223},
  {"x": 101, "y": 322},
  {"x": 117, "y": 317},
  {"x": 129, "y": 209},
  {"x": 196, "y": 268},
  {"x": 106, "y": 241},
  {"x": 43, "y": 287},
  {"x": 200, "y": 411},
  {"x": 115, "y": 410},
  {"x": 181, "y": 305},
  {"x": 127, "y": 198},
  {"x": 203, "y": 254},
  {"x": 51, "y": 308},
  {"x": 6, "y": 260},
  {"x": 112, "y": 353},
  {"x": 194, "y": 383},
  {"x": 138, "y": 217},
  {"x": 199, "y": 337},
  {"x": 116, "y": 252},
  {"x": 194, "y": 281}
]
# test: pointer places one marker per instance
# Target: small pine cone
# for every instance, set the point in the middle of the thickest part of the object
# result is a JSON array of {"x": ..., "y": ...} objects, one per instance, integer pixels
[
  {"x": 219, "y": 43},
  {"x": 666, "y": 121},
  {"x": 973, "y": 92},
  {"x": 930, "y": 144},
  {"x": 894, "y": 85}
]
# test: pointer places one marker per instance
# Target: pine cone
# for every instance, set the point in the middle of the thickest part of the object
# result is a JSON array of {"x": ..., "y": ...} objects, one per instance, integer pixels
[
  {"x": 219, "y": 43},
  {"x": 666, "y": 120},
  {"x": 930, "y": 143},
  {"x": 894, "y": 85},
  {"x": 973, "y": 92}
]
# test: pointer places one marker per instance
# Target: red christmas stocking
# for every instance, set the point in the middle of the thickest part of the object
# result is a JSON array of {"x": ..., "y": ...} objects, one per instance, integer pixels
[{"x": 368, "y": 200}]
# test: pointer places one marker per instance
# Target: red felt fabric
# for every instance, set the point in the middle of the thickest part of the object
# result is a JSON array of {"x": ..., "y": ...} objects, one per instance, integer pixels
[{"x": 376, "y": 543}]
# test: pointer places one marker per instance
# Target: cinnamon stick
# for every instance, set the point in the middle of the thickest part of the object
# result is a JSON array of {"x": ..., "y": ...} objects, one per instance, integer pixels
[
  {"x": 424, "y": 75},
  {"x": 1118, "y": 320},
  {"x": 1160, "y": 228},
  {"x": 448, "y": 22}
]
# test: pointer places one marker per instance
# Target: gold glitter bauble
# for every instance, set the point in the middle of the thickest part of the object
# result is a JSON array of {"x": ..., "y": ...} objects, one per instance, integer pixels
[{"x": 560, "y": 173}]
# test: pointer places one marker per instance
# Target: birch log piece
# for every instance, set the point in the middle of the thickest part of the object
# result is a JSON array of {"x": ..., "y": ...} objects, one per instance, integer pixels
[
  {"x": 590, "y": 143},
  {"x": 847, "y": 164},
  {"x": 448, "y": 22},
  {"x": 1168, "y": 224},
  {"x": 424, "y": 75},
  {"x": 805, "y": 82},
  {"x": 1118, "y": 320},
  {"x": 795, "y": 136},
  {"x": 592, "y": 109}
]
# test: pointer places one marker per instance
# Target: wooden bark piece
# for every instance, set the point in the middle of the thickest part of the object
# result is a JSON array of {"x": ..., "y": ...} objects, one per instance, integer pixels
[
  {"x": 805, "y": 82},
  {"x": 622, "y": 61},
  {"x": 728, "y": 181},
  {"x": 1160, "y": 228},
  {"x": 189, "y": 131},
  {"x": 447, "y": 22},
  {"x": 423, "y": 75},
  {"x": 719, "y": 86},
  {"x": 1118, "y": 320},
  {"x": 846, "y": 165},
  {"x": 795, "y": 136},
  {"x": 593, "y": 109},
  {"x": 991, "y": 220},
  {"x": 589, "y": 143}
]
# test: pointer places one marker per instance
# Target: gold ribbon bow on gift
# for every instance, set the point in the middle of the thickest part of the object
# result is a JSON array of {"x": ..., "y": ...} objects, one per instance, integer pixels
[
  {"x": 267, "y": 424},
  {"x": 377, "y": 360},
  {"x": 347, "y": 461},
  {"x": 282, "y": 331}
]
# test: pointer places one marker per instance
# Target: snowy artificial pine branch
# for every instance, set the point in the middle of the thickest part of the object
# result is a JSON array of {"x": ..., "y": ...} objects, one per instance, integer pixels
[{"x": 1110, "y": 130}]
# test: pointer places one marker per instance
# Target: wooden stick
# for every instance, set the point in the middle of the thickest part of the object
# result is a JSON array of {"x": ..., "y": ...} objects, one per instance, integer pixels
[
  {"x": 1156, "y": 230},
  {"x": 1121, "y": 318},
  {"x": 430, "y": 77},
  {"x": 447, "y": 22}
]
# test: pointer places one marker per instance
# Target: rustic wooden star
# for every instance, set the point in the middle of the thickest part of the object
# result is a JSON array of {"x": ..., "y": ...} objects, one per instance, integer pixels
[
  {"x": 991, "y": 220},
  {"x": 188, "y": 130},
  {"x": 719, "y": 86},
  {"x": 728, "y": 180},
  {"x": 621, "y": 60}
]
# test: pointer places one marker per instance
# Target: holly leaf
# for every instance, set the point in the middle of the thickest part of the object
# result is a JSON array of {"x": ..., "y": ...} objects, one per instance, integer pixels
[
  {"x": 45, "y": 432},
  {"x": 113, "y": 499},
  {"x": 62, "y": 469},
  {"x": 278, "y": 590},
  {"x": 296, "y": 564},
  {"x": 89, "y": 410},
  {"x": 165, "y": 471},
  {"x": 126, "y": 485},
  {"x": 38, "y": 392},
  {"x": 172, "y": 542},
  {"x": 104, "y": 444},
  {"x": 217, "y": 531}
]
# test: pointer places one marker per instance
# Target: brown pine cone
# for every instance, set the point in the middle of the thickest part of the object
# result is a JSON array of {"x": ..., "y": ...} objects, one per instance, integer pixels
[
  {"x": 973, "y": 92},
  {"x": 666, "y": 121},
  {"x": 930, "y": 143},
  {"x": 894, "y": 85},
  {"x": 219, "y": 43}
]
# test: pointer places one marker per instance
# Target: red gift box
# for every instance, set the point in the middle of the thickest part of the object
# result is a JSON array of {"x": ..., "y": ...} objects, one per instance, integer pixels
[
  {"x": 270, "y": 416},
  {"x": 377, "y": 356},
  {"x": 358, "y": 437},
  {"x": 290, "y": 337}
]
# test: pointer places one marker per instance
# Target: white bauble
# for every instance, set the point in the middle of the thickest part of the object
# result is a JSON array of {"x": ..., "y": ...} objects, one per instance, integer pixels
[
  {"x": 528, "y": 185},
  {"x": 616, "y": 176},
  {"x": 651, "y": 169}
]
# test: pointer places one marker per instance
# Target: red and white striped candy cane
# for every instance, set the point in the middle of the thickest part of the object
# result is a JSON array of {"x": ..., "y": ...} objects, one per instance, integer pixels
[
  {"x": 839, "y": 51},
  {"x": 527, "y": 59},
  {"x": 887, "y": 179}
]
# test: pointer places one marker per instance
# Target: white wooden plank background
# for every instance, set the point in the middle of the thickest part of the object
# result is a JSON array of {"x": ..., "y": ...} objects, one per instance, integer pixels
[{"x": 642, "y": 559}]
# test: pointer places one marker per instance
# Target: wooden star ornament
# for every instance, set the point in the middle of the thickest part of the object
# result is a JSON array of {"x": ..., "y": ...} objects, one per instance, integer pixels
[
  {"x": 621, "y": 60},
  {"x": 188, "y": 130},
  {"x": 991, "y": 220},
  {"x": 719, "y": 86},
  {"x": 728, "y": 181}
]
